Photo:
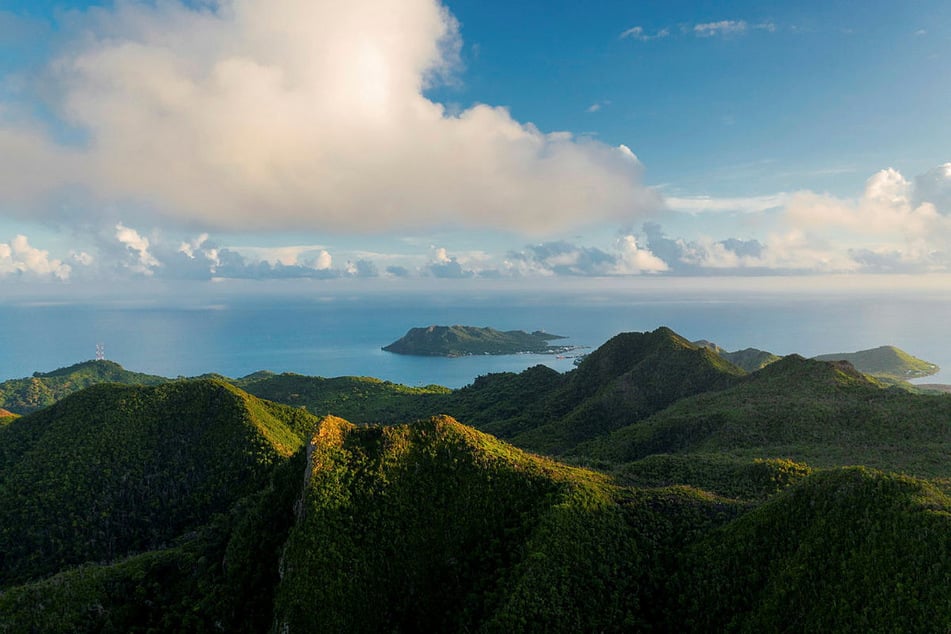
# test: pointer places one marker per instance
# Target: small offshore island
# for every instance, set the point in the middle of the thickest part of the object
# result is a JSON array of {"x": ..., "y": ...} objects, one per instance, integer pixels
[{"x": 460, "y": 341}]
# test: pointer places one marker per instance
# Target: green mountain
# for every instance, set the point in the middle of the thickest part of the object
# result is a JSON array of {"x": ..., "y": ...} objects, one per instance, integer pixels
[
  {"x": 22, "y": 396},
  {"x": 628, "y": 378},
  {"x": 457, "y": 341},
  {"x": 442, "y": 528},
  {"x": 821, "y": 413},
  {"x": 115, "y": 470},
  {"x": 885, "y": 361},
  {"x": 748, "y": 359}
]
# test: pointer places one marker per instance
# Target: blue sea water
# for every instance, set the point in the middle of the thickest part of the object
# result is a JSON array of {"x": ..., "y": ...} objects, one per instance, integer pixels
[{"x": 344, "y": 335}]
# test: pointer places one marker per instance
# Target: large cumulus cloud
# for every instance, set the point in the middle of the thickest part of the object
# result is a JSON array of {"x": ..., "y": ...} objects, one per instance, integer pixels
[{"x": 283, "y": 114}]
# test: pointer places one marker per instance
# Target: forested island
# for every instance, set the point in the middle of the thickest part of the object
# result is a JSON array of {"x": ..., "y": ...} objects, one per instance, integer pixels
[
  {"x": 655, "y": 487},
  {"x": 458, "y": 341}
]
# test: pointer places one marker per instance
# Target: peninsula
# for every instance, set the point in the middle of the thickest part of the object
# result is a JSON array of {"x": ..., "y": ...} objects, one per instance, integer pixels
[{"x": 458, "y": 341}]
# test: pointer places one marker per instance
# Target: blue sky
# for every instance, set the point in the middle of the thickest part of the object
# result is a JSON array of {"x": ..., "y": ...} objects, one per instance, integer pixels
[{"x": 164, "y": 142}]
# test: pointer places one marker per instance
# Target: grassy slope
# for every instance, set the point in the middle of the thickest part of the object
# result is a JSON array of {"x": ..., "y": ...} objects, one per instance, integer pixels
[
  {"x": 809, "y": 411},
  {"x": 885, "y": 361},
  {"x": 114, "y": 469},
  {"x": 22, "y": 396}
]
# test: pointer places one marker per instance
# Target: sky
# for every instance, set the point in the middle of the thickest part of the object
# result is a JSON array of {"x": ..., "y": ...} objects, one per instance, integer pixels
[{"x": 170, "y": 143}]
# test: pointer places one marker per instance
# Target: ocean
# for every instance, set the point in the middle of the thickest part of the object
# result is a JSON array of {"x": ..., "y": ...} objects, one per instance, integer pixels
[{"x": 343, "y": 334}]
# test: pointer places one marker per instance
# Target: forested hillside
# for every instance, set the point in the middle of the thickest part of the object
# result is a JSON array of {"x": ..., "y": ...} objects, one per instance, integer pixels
[
  {"x": 713, "y": 500},
  {"x": 22, "y": 396}
]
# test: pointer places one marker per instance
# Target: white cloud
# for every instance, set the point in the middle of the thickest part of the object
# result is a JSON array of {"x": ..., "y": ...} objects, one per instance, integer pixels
[
  {"x": 323, "y": 261},
  {"x": 445, "y": 266},
  {"x": 567, "y": 259},
  {"x": 138, "y": 245},
  {"x": 298, "y": 114},
  {"x": 639, "y": 33},
  {"x": 896, "y": 225},
  {"x": 19, "y": 258},
  {"x": 633, "y": 259},
  {"x": 887, "y": 209},
  {"x": 289, "y": 255},
  {"x": 723, "y": 27},
  {"x": 747, "y": 204},
  {"x": 82, "y": 258},
  {"x": 189, "y": 248},
  {"x": 934, "y": 186},
  {"x": 731, "y": 27},
  {"x": 441, "y": 256}
]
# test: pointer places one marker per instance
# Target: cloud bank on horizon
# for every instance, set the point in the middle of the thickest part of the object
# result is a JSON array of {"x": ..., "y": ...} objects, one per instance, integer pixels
[{"x": 153, "y": 127}]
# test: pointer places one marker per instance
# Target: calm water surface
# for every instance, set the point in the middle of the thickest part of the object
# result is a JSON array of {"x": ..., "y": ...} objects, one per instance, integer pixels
[{"x": 344, "y": 336}]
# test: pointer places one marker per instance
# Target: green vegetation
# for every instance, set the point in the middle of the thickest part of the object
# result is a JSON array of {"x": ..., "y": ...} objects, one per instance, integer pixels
[
  {"x": 886, "y": 362},
  {"x": 628, "y": 378},
  {"x": 442, "y": 528},
  {"x": 457, "y": 341},
  {"x": 22, "y": 396},
  {"x": 359, "y": 399},
  {"x": 115, "y": 470},
  {"x": 748, "y": 359},
  {"x": 729, "y": 477},
  {"x": 809, "y": 411},
  {"x": 720, "y": 501},
  {"x": 845, "y": 550}
]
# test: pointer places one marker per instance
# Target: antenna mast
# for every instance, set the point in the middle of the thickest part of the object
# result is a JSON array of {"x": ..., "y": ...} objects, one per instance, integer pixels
[{"x": 100, "y": 352}]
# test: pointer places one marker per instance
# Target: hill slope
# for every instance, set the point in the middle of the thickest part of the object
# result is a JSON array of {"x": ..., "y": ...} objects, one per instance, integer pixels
[
  {"x": 821, "y": 413},
  {"x": 442, "y": 528},
  {"x": 846, "y": 550},
  {"x": 115, "y": 470},
  {"x": 748, "y": 359},
  {"x": 885, "y": 361},
  {"x": 22, "y": 396},
  {"x": 356, "y": 398},
  {"x": 627, "y": 379}
]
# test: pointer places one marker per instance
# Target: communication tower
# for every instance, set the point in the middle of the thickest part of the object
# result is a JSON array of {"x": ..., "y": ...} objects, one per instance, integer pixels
[{"x": 100, "y": 352}]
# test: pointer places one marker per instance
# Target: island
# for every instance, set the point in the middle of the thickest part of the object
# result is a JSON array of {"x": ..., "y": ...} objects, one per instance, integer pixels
[
  {"x": 459, "y": 341},
  {"x": 886, "y": 363}
]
